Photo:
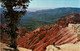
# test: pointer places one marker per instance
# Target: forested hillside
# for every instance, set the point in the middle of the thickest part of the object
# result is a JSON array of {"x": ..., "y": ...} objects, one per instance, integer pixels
[{"x": 33, "y": 20}]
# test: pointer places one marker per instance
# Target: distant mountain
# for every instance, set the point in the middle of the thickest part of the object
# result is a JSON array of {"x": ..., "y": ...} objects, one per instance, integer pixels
[{"x": 33, "y": 20}]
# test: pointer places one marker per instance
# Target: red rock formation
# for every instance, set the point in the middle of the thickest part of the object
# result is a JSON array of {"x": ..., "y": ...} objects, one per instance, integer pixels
[{"x": 39, "y": 39}]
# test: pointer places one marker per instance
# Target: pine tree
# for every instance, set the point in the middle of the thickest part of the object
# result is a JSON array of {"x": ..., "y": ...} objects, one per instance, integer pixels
[{"x": 13, "y": 17}]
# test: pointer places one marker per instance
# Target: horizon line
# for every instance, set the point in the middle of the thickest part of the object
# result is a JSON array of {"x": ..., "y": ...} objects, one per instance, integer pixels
[{"x": 37, "y": 9}]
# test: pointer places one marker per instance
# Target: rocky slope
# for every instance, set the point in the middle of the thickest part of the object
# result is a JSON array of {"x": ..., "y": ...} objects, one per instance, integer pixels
[
  {"x": 5, "y": 47},
  {"x": 59, "y": 34},
  {"x": 65, "y": 47}
]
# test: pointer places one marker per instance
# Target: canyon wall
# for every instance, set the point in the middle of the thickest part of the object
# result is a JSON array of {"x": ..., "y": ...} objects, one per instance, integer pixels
[{"x": 76, "y": 29}]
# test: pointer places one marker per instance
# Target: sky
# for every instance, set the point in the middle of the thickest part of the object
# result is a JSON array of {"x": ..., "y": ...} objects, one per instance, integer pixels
[{"x": 51, "y": 4}]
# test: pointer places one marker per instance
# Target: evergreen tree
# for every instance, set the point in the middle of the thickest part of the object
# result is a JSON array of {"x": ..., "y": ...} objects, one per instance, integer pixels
[{"x": 13, "y": 17}]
